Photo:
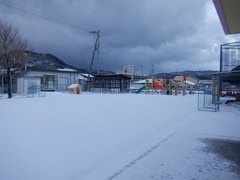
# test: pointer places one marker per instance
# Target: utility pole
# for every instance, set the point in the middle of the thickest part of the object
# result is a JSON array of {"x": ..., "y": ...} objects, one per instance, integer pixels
[
  {"x": 152, "y": 69},
  {"x": 96, "y": 49}
]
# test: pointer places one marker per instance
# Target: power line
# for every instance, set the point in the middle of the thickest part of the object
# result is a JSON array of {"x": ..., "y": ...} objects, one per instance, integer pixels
[
  {"x": 37, "y": 14},
  {"x": 48, "y": 18}
]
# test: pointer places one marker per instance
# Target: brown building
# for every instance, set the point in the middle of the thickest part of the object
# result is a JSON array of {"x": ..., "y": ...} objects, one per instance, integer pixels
[{"x": 116, "y": 83}]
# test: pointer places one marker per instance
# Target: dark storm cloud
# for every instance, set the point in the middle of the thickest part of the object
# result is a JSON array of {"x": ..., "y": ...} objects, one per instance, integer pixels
[{"x": 173, "y": 35}]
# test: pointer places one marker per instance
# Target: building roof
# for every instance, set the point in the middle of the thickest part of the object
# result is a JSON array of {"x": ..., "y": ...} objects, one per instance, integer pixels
[
  {"x": 231, "y": 77},
  {"x": 143, "y": 81},
  {"x": 54, "y": 70},
  {"x": 83, "y": 76},
  {"x": 229, "y": 15},
  {"x": 189, "y": 80},
  {"x": 109, "y": 76},
  {"x": 73, "y": 85}
]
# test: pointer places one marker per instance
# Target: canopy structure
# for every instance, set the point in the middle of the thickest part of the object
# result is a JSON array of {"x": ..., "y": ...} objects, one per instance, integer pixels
[
  {"x": 230, "y": 57},
  {"x": 229, "y": 15},
  {"x": 229, "y": 65}
]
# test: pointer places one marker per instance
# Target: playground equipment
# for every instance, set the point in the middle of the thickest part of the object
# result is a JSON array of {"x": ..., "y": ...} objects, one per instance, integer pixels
[
  {"x": 169, "y": 87},
  {"x": 155, "y": 84},
  {"x": 179, "y": 85},
  {"x": 140, "y": 89},
  {"x": 147, "y": 86},
  {"x": 182, "y": 80},
  {"x": 158, "y": 85},
  {"x": 151, "y": 85}
]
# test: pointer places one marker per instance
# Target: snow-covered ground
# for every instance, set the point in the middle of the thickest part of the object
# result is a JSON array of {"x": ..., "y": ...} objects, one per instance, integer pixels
[{"x": 113, "y": 136}]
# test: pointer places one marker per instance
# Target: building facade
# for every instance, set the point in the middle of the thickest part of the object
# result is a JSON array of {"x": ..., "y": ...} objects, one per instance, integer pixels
[
  {"x": 111, "y": 83},
  {"x": 47, "y": 80}
]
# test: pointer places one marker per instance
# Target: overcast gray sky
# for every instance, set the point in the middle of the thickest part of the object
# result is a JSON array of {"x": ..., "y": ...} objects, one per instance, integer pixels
[{"x": 173, "y": 35}]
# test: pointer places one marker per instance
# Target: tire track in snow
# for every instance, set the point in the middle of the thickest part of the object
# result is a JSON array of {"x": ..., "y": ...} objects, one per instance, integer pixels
[{"x": 131, "y": 163}]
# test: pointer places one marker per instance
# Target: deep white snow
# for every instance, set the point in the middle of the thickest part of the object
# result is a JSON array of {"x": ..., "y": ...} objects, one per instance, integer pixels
[{"x": 112, "y": 136}]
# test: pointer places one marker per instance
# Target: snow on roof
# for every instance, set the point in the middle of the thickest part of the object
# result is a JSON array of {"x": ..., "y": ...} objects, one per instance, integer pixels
[
  {"x": 86, "y": 75},
  {"x": 73, "y": 85},
  {"x": 143, "y": 81},
  {"x": 178, "y": 78},
  {"x": 189, "y": 80},
  {"x": 190, "y": 83},
  {"x": 81, "y": 77},
  {"x": 73, "y": 70}
]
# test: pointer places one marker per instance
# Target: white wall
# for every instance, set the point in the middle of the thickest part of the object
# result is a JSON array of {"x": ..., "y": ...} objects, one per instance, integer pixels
[
  {"x": 26, "y": 82},
  {"x": 71, "y": 78},
  {"x": 33, "y": 78}
]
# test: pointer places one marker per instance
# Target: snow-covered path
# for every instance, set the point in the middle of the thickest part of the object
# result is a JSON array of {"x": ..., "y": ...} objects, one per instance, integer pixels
[{"x": 107, "y": 136}]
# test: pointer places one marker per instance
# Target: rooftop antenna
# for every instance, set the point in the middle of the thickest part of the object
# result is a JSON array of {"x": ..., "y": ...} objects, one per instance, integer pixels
[{"x": 95, "y": 49}]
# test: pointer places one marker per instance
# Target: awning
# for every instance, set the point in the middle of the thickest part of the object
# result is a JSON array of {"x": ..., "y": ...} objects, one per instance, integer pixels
[{"x": 229, "y": 15}]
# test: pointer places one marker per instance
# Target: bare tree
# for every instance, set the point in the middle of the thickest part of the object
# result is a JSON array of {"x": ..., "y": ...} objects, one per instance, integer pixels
[{"x": 13, "y": 56}]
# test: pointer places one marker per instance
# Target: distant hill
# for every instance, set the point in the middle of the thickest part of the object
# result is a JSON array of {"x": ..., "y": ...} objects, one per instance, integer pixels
[
  {"x": 201, "y": 75},
  {"x": 50, "y": 62},
  {"x": 47, "y": 62}
]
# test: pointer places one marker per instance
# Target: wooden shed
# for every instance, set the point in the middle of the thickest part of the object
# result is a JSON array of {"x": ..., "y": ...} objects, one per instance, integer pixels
[{"x": 74, "y": 89}]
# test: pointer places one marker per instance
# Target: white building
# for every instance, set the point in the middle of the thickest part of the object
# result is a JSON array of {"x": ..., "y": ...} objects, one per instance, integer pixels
[
  {"x": 130, "y": 70},
  {"x": 47, "y": 80}
]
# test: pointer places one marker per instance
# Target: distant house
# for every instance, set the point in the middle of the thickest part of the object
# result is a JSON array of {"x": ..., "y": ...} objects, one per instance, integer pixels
[
  {"x": 83, "y": 80},
  {"x": 47, "y": 80},
  {"x": 111, "y": 83},
  {"x": 130, "y": 70}
]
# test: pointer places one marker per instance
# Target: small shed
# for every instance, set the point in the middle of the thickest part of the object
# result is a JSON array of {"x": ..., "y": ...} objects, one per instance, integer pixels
[{"x": 74, "y": 89}]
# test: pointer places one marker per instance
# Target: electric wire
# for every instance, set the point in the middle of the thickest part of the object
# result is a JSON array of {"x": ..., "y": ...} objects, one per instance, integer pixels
[
  {"x": 37, "y": 14},
  {"x": 48, "y": 18}
]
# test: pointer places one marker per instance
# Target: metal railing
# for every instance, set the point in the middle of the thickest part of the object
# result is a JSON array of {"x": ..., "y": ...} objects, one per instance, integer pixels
[
  {"x": 105, "y": 90},
  {"x": 208, "y": 101},
  {"x": 36, "y": 91}
]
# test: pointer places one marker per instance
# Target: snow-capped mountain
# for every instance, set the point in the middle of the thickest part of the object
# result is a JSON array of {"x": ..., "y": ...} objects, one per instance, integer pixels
[
  {"x": 47, "y": 62},
  {"x": 50, "y": 62}
]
